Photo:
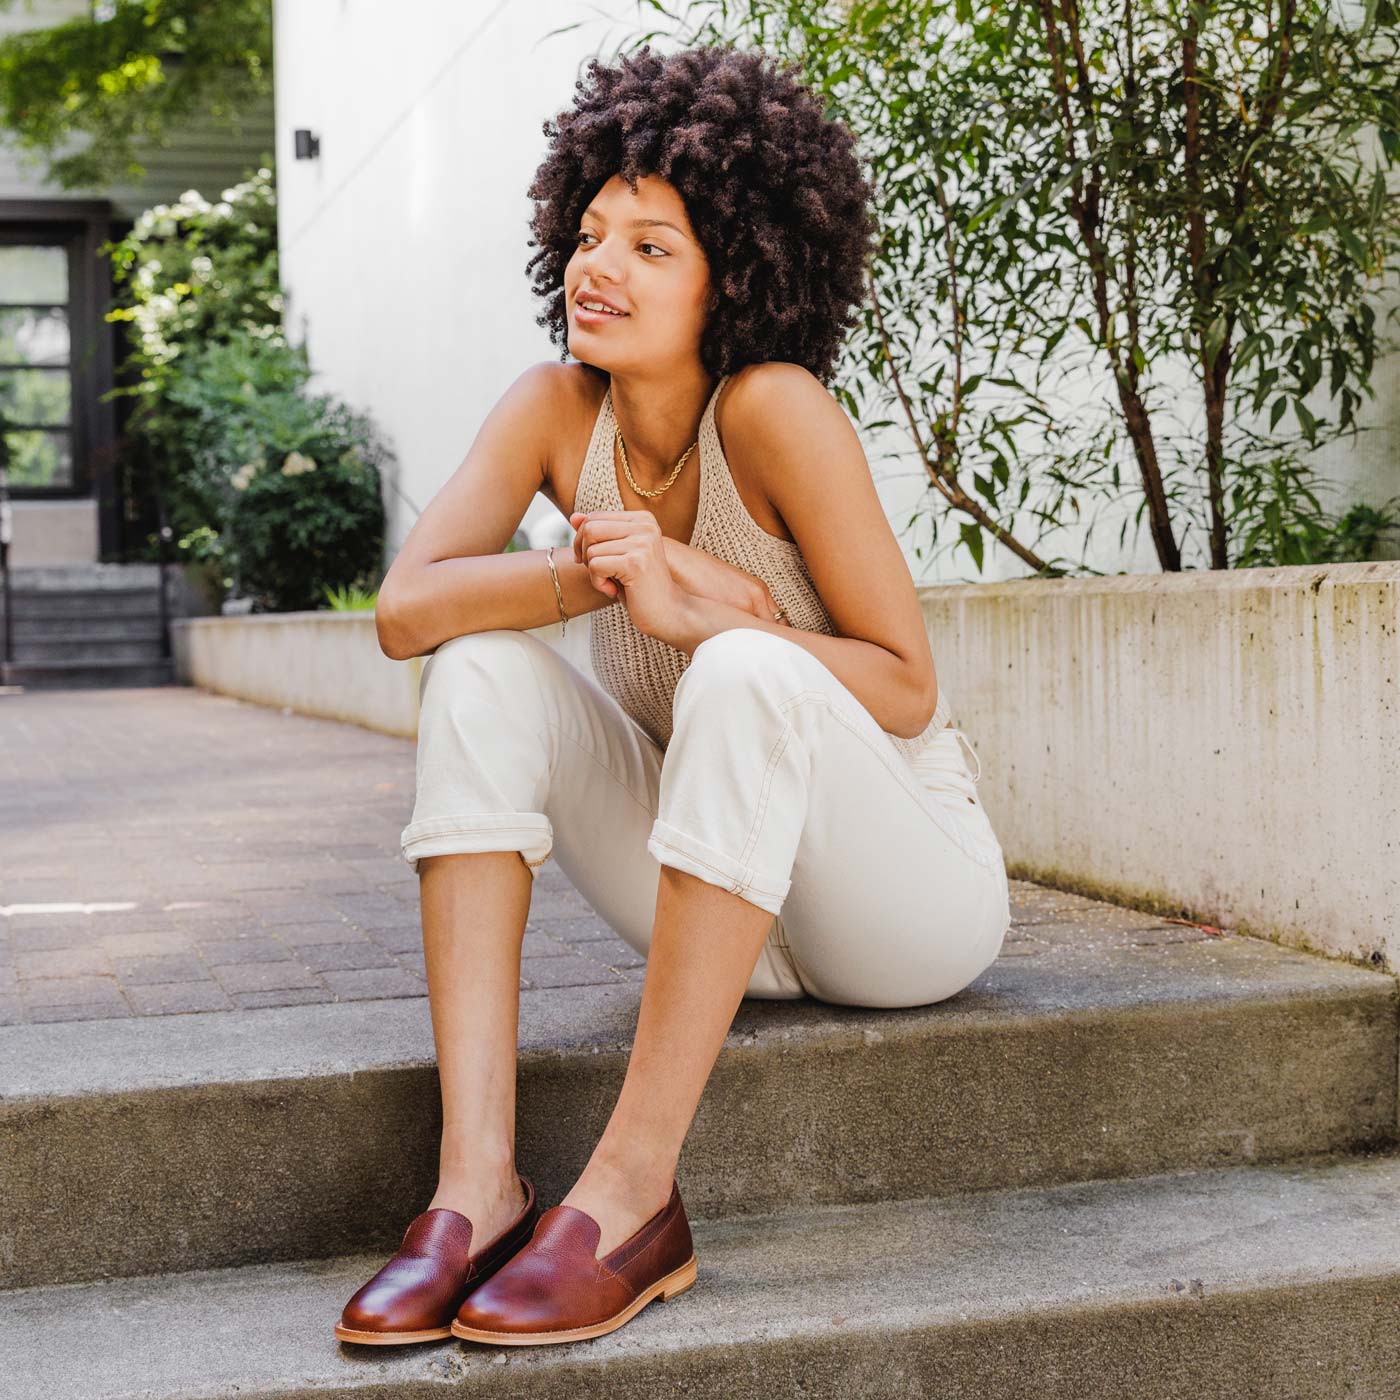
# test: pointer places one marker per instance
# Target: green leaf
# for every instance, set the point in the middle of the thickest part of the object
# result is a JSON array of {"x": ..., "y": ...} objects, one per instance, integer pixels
[
  {"x": 1215, "y": 338},
  {"x": 1355, "y": 248},
  {"x": 970, "y": 532}
]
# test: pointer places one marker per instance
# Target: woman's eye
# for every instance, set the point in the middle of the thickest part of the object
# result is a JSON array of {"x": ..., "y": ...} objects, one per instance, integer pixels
[{"x": 579, "y": 237}]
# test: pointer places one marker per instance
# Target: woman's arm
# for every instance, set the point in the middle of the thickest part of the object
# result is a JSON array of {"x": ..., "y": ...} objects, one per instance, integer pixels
[
  {"x": 705, "y": 576},
  {"x": 879, "y": 679},
  {"x": 450, "y": 577},
  {"x": 451, "y": 597},
  {"x": 794, "y": 438}
]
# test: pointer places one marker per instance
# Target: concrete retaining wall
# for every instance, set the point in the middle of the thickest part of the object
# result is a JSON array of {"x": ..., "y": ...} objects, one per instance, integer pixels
[
  {"x": 1223, "y": 745},
  {"x": 318, "y": 663}
]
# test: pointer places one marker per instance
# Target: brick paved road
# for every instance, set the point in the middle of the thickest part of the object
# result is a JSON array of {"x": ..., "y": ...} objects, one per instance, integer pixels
[{"x": 168, "y": 849}]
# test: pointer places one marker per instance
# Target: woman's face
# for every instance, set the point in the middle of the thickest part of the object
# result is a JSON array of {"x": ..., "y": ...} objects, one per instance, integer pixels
[{"x": 640, "y": 253}]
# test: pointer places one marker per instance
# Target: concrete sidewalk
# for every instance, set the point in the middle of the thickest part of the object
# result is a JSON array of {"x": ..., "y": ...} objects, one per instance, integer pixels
[{"x": 170, "y": 850}]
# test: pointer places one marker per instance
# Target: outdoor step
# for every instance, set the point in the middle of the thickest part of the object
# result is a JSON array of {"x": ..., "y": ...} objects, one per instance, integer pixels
[
  {"x": 35, "y": 603},
  {"x": 1088, "y": 1050},
  {"x": 86, "y": 675},
  {"x": 92, "y": 649},
  {"x": 141, "y": 627},
  {"x": 103, "y": 577},
  {"x": 1258, "y": 1282}
]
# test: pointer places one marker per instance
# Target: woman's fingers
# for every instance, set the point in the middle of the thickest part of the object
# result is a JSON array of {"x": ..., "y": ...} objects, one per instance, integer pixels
[
  {"x": 611, "y": 566},
  {"x": 597, "y": 527}
]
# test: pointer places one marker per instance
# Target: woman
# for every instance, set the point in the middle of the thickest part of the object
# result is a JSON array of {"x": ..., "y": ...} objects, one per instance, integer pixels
[{"x": 765, "y": 795}]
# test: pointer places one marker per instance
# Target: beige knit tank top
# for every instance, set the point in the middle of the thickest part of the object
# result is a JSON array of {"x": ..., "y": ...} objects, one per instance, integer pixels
[{"x": 641, "y": 672}]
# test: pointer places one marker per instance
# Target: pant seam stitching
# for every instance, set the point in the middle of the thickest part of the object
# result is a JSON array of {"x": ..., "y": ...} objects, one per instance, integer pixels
[{"x": 766, "y": 790}]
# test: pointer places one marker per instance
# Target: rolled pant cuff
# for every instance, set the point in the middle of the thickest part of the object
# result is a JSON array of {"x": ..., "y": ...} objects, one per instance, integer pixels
[
  {"x": 685, "y": 852},
  {"x": 530, "y": 833}
]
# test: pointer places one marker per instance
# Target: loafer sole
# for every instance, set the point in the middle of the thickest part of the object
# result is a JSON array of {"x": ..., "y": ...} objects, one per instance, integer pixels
[
  {"x": 667, "y": 1287},
  {"x": 391, "y": 1339}
]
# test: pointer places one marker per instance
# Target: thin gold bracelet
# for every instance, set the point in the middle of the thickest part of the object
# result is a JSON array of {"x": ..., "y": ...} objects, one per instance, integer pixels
[{"x": 558, "y": 592}]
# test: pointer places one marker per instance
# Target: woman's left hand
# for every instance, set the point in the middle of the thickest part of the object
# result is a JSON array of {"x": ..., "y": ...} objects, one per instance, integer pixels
[{"x": 626, "y": 558}]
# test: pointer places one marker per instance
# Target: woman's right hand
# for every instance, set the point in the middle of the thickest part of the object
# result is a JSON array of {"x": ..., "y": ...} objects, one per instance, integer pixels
[{"x": 707, "y": 577}]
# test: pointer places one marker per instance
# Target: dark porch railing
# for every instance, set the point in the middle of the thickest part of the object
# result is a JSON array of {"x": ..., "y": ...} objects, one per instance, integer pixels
[{"x": 6, "y": 517}]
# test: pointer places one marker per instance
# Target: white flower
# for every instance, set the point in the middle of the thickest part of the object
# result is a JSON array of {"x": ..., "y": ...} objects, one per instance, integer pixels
[
  {"x": 240, "y": 479},
  {"x": 295, "y": 463}
]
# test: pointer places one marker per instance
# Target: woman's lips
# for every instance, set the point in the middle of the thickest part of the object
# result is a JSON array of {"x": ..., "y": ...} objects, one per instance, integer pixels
[{"x": 594, "y": 318}]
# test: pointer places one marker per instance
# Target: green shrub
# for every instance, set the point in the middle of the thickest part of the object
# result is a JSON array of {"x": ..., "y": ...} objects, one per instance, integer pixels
[
  {"x": 292, "y": 477},
  {"x": 223, "y": 410},
  {"x": 302, "y": 527},
  {"x": 189, "y": 276}
]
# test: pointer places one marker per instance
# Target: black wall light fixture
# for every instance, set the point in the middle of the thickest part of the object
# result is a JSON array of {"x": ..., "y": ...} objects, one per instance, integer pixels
[{"x": 307, "y": 145}]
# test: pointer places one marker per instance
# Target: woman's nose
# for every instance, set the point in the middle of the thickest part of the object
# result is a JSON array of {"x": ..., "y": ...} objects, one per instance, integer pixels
[{"x": 600, "y": 263}]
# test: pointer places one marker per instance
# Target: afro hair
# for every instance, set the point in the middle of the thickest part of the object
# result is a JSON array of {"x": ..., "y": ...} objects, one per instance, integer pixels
[{"x": 772, "y": 186}]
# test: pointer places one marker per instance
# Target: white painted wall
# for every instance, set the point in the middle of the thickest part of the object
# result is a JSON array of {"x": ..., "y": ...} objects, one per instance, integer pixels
[{"x": 404, "y": 243}]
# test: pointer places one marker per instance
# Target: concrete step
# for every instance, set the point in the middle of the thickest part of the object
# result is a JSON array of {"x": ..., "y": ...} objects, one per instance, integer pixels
[
  {"x": 30, "y": 604},
  {"x": 91, "y": 648},
  {"x": 65, "y": 578},
  {"x": 141, "y": 627},
  {"x": 86, "y": 674},
  {"x": 1089, "y": 1050},
  {"x": 1258, "y": 1282}
]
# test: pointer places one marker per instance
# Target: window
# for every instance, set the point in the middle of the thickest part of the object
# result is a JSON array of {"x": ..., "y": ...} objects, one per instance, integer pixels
[{"x": 36, "y": 368}]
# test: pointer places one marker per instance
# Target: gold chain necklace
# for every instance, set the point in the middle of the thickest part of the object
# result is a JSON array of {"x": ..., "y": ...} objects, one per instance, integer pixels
[{"x": 627, "y": 471}]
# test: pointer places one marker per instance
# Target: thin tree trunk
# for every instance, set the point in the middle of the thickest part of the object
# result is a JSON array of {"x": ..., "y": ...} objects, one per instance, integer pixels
[
  {"x": 1084, "y": 205},
  {"x": 1214, "y": 372}
]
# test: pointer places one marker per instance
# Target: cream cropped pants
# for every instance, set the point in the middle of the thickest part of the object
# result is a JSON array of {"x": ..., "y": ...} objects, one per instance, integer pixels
[{"x": 885, "y": 880}]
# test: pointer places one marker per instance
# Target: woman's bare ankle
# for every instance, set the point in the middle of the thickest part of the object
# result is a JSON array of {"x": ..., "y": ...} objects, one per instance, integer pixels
[{"x": 490, "y": 1201}]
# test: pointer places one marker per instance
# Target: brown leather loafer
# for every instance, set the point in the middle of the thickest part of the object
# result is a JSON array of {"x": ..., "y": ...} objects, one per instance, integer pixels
[
  {"x": 556, "y": 1289},
  {"x": 414, "y": 1297}
]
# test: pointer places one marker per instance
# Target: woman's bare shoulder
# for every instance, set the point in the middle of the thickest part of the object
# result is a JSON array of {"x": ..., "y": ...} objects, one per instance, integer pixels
[{"x": 576, "y": 395}]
